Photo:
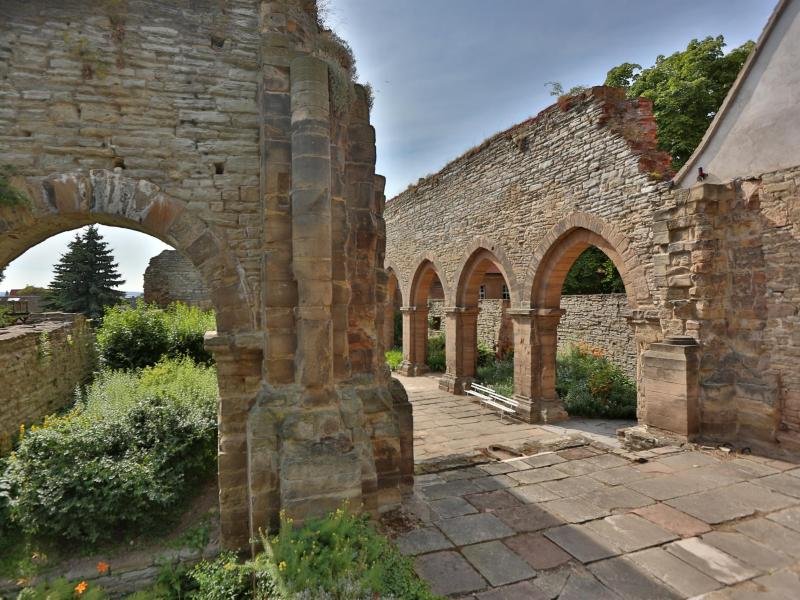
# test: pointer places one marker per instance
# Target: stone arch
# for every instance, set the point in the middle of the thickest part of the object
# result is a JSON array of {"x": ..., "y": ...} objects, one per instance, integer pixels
[
  {"x": 554, "y": 256},
  {"x": 67, "y": 201},
  {"x": 477, "y": 253},
  {"x": 71, "y": 200},
  {"x": 393, "y": 289},
  {"x": 423, "y": 265}
]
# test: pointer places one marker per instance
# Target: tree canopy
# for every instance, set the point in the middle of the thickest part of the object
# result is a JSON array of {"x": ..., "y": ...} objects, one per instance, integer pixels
[
  {"x": 687, "y": 88},
  {"x": 85, "y": 277},
  {"x": 593, "y": 273}
]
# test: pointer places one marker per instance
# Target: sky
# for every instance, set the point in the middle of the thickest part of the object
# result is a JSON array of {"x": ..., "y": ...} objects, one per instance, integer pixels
[{"x": 447, "y": 74}]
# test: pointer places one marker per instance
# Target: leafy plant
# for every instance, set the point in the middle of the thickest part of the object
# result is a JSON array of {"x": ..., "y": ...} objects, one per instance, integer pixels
[
  {"x": 592, "y": 386},
  {"x": 593, "y": 272},
  {"x": 499, "y": 375},
  {"x": 10, "y": 195},
  {"x": 121, "y": 461},
  {"x": 63, "y": 589},
  {"x": 486, "y": 354},
  {"x": 687, "y": 88},
  {"x": 394, "y": 358},
  {"x": 436, "y": 359}
]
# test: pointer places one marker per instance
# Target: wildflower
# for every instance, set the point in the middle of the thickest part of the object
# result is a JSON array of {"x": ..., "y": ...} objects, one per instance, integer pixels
[
  {"x": 81, "y": 587},
  {"x": 282, "y": 565},
  {"x": 102, "y": 567}
]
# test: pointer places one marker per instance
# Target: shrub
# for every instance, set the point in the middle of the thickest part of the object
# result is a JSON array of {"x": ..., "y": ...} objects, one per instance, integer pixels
[
  {"x": 62, "y": 589},
  {"x": 592, "y": 386},
  {"x": 132, "y": 338},
  {"x": 436, "y": 359},
  {"x": 499, "y": 375},
  {"x": 341, "y": 556},
  {"x": 222, "y": 579},
  {"x": 122, "y": 460},
  {"x": 394, "y": 358},
  {"x": 486, "y": 355}
]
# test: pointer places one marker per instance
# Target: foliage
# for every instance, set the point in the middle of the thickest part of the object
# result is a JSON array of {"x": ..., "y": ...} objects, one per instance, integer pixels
[
  {"x": 62, "y": 589},
  {"x": 486, "y": 355},
  {"x": 341, "y": 557},
  {"x": 132, "y": 338},
  {"x": 394, "y": 358},
  {"x": 593, "y": 273},
  {"x": 436, "y": 359},
  {"x": 32, "y": 290},
  {"x": 122, "y": 460},
  {"x": 398, "y": 329},
  {"x": 592, "y": 386},
  {"x": 687, "y": 88},
  {"x": 227, "y": 579},
  {"x": 498, "y": 375},
  {"x": 85, "y": 277},
  {"x": 9, "y": 195},
  {"x": 556, "y": 89}
]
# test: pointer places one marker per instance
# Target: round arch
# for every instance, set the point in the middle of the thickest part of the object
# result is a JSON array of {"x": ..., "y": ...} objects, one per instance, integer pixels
[
  {"x": 561, "y": 247},
  {"x": 472, "y": 268},
  {"x": 67, "y": 201}
]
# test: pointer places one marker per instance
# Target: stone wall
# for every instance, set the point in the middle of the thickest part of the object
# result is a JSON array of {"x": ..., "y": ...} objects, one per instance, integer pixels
[
  {"x": 41, "y": 365},
  {"x": 494, "y": 325},
  {"x": 170, "y": 277},
  {"x": 599, "y": 320},
  {"x": 210, "y": 124}
]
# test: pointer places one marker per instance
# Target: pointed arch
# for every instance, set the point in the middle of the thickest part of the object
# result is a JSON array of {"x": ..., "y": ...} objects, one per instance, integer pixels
[
  {"x": 479, "y": 255},
  {"x": 427, "y": 268}
]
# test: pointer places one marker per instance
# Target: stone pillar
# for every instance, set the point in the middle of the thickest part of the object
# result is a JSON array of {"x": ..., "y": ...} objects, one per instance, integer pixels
[
  {"x": 415, "y": 340},
  {"x": 535, "y": 346},
  {"x": 461, "y": 339},
  {"x": 671, "y": 382}
]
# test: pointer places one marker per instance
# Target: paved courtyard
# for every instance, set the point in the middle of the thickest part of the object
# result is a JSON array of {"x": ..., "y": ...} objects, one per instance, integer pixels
[{"x": 592, "y": 521}]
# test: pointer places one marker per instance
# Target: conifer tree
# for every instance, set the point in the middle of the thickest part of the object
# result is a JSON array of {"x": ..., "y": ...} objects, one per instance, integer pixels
[{"x": 86, "y": 276}]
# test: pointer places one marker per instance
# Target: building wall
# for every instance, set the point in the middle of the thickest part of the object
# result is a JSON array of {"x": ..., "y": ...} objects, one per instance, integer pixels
[
  {"x": 757, "y": 128},
  {"x": 599, "y": 320},
  {"x": 169, "y": 278},
  {"x": 41, "y": 365}
]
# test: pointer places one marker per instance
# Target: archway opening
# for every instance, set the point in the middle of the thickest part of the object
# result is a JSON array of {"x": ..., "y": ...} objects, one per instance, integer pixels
[
  {"x": 105, "y": 368},
  {"x": 393, "y": 322},
  {"x": 424, "y": 340},
  {"x": 586, "y": 300}
]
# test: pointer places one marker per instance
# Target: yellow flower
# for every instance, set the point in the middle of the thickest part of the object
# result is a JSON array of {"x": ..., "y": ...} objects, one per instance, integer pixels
[
  {"x": 282, "y": 566},
  {"x": 81, "y": 587}
]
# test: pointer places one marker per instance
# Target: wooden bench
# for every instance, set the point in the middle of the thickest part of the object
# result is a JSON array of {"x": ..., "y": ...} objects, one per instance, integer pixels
[{"x": 488, "y": 396}]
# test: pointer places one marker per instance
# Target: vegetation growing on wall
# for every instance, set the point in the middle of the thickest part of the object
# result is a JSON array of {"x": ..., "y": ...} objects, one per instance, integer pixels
[
  {"x": 687, "y": 88},
  {"x": 10, "y": 195}
]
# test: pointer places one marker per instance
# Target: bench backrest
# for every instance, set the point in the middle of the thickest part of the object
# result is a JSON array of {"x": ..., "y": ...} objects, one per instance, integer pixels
[{"x": 490, "y": 392}]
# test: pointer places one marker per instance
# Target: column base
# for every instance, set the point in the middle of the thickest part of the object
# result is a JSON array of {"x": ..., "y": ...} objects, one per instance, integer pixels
[
  {"x": 453, "y": 384},
  {"x": 412, "y": 369},
  {"x": 543, "y": 411}
]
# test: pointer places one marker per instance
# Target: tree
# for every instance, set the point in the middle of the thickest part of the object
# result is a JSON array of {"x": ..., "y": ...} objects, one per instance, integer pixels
[
  {"x": 687, "y": 88},
  {"x": 85, "y": 277},
  {"x": 593, "y": 273}
]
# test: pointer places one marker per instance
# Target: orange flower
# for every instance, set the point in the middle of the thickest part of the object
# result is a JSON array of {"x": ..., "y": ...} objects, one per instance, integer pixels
[
  {"x": 102, "y": 567},
  {"x": 81, "y": 587}
]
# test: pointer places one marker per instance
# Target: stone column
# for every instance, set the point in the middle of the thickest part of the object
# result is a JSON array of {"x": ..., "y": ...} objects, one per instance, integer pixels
[
  {"x": 535, "y": 346},
  {"x": 415, "y": 340},
  {"x": 461, "y": 338},
  {"x": 671, "y": 381}
]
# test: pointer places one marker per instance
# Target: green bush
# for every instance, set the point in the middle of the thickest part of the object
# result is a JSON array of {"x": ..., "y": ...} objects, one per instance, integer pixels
[
  {"x": 486, "y": 355},
  {"x": 436, "y": 359},
  {"x": 341, "y": 556},
  {"x": 62, "y": 589},
  {"x": 132, "y": 338},
  {"x": 592, "y": 386},
  {"x": 394, "y": 358},
  {"x": 498, "y": 375},
  {"x": 398, "y": 329},
  {"x": 122, "y": 460}
]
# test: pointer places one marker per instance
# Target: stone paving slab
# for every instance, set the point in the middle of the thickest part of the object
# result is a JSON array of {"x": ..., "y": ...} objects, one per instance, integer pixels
[
  {"x": 539, "y": 552},
  {"x": 773, "y": 535},
  {"x": 679, "y": 575},
  {"x": 448, "y": 573},
  {"x": 711, "y": 561},
  {"x": 789, "y": 517},
  {"x": 627, "y": 579},
  {"x": 472, "y": 529},
  {"x": 534, "y": 492},
  {"x": 492, "y": 501},
  {"x": 530, "y": 517},
  {"x": 617, "y": 497},
  {"x": 729, "y": 503},
  {"x": 524, "y": 590},
  {"x": 630, "y": 532},
  {"x": 498, "y": 565},
  {"x": 546, "y": 459},
  {"x": 582, "y": 585},
  {"x": 420, "y": 541},
  {"x": 747, "y": 550},
  {"x": 673, "y": 520},
  {"x": 582, "y": 543},
  {"x": 452, "y": 506},
  {"x": 538, "y": 475},
  {"x": 574, "y": 510},
  {"x": 783, "y": 483},
  {"x": 574, "y": 486}
]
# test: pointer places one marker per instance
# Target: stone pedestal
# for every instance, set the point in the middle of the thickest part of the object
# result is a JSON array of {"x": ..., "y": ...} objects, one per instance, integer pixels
[
  {"x": 461, "y": 338},
  {"x": 671, "y": 385}
]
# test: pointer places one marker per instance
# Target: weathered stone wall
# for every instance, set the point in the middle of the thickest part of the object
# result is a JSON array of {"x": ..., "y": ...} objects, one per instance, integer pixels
[
  {"x": 599, "y": 320},
  {"x": 169, "y": 278},
  {"x": 41, "y": 365},
  {"x": 211, "y": 125},
  {"x": 494, "y": 325}
]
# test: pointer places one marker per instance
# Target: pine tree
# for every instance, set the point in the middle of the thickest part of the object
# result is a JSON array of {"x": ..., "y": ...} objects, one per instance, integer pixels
[{"x": 86, "y": 276}]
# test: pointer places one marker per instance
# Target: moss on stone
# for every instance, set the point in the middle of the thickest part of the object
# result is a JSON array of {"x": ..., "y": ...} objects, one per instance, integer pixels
[{"x": 10, "y": 195}]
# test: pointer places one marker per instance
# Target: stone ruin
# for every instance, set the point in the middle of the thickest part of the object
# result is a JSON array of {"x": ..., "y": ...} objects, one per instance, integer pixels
[
  {"x": 232, "y": 131},
  {"x": 170, "y": 277}
]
